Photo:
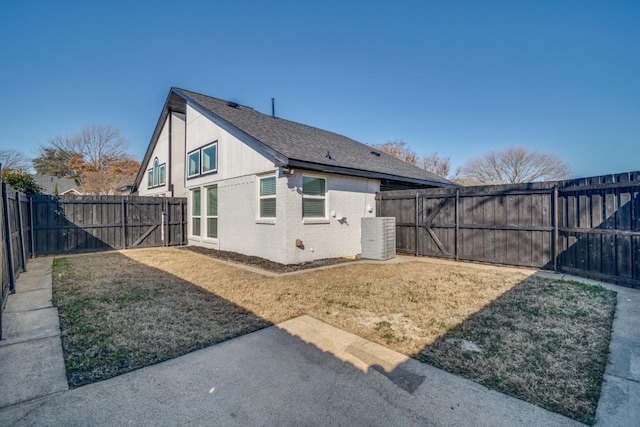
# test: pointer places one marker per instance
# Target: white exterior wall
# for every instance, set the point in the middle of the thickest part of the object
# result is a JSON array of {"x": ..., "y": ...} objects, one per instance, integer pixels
[
  {"x": 240, "y": 229},
  {"x": 178, "y": 155},
  {"x": 235, "y": 158},
  {"x": 161, "y": 151},
  {"x": 349, "y": 197}
]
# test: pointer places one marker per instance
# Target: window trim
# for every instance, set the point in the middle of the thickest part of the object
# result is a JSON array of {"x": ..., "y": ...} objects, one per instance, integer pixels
[
  {"x": 315, "y": 220},
  {"x": 207, "y": 216},
  {"x": 153, "y": 174},
  {"x": 266, "y": 219},
  {"x": 189, "y": 154},
  {"x": 162, "y": 174},
  {"x": 192, "y": 216},
  {"x": 200, "y": 151},
  {"x": 204, "y": 147}
]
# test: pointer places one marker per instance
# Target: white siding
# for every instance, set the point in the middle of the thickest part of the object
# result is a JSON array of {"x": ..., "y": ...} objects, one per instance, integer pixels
[
  {"x": 178, "y": 154},
  {"x": 161, "y": 152},
  {"x": 239, "y": 229},
  {"x": 235, "y": 158}
]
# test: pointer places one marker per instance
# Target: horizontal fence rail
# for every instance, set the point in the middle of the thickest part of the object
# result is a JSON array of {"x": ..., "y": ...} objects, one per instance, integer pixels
[
  {"x": 588, "y": 227},
  {"x": 75, "y": 224},
  {"x": 43, "y": 225}
]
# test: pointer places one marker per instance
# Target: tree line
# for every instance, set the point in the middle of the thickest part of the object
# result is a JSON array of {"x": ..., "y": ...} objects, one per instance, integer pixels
[
  {"x": 512, "y": 165},
  {"x": 96, "y": 159}
]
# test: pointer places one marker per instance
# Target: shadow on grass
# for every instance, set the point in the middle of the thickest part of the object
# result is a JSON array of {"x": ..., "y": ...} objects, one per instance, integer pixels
[
  {"x": 544, "y": 342},
  {"x": 135, "y": 316}
]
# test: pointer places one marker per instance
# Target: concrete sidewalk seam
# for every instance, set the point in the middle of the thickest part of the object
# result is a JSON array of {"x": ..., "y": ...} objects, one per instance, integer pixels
[
  {"x": 44, "y": 398},
  {"x": 26, "y": 291},
  {"x": 623, "y": 378},
  {"x": 9, "y": 342}
]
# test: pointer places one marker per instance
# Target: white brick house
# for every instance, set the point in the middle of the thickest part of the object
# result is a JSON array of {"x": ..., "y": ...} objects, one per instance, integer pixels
[{"x": 265, "y": 186}]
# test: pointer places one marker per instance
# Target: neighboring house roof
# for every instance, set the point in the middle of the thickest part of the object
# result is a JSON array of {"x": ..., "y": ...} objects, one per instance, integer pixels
[
  {"x": 295, "y": 145},
  {"x": 65, "y": 186}
]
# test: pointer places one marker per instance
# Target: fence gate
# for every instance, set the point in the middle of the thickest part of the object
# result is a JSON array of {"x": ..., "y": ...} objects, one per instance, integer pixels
[{"x": 75, "y": 224}]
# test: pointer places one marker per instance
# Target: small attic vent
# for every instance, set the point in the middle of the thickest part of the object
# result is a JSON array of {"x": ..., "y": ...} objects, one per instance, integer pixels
[
  {"x": 328, "y": 156},
  {"x": 233, "y": 104},
  {"x": 375, "y": 153}
]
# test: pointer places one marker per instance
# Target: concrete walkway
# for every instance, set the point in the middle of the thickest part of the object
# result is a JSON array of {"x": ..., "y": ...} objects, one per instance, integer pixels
[
  {"x": 301, "y": 372},
  {"x": 31, "y": 361}
]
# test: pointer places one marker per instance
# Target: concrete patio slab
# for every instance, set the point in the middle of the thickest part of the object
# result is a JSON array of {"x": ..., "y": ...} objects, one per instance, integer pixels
[
  {"x": 302, "y": 372},
  {"x": 30, "y": 370},
  {"x": 31, "y": 300},
  {"x": 29, "y": 325}
]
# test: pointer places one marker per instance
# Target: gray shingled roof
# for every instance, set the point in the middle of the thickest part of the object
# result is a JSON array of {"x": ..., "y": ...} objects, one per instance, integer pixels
[
  {"x": 48, "y": 184},
  {"x": 308, "y": 144}
]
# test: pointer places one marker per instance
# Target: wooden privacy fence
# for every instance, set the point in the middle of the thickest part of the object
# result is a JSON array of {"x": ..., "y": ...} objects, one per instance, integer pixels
[
  {"x": 15, "y": 248},
  {"x": 588, "y": 227},
  {"x": 74, "y": 224},
  {"x": 44, "y": 225}
]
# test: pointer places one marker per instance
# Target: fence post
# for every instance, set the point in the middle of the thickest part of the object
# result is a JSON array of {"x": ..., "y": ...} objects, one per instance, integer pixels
[
  {"x": 32, "y": 228},
  {"x": 124, "y": 227},
  {"x": 417, "y": 227},
  {"x": 457, "y": 232},
  {"x": 23, "y": 253},
  {"x": 7, "y": 233},
  {"x": 555, "y": 228},
  {"x": 183, "y": 224}
]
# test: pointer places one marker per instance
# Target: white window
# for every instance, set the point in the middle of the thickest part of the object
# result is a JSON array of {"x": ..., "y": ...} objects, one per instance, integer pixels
[
  {"x": 195, "y": 212},
  {"x": 194, "y": 163},
  {"x": 156, "y": 175},
  {"x": 212, "y": 212},
  {"x": 210, "y": 158},
  {"x": 203, "y": 160},
  {"x": 267, "y": 197},
  {"x": 155, "y": 172},
  {"x": 314, "y": 197},
  {"x": 162, "y": 172}
]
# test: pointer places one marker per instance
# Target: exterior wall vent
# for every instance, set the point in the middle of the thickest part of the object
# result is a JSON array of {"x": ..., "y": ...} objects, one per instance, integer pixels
[{"x": 378, "y": 237}]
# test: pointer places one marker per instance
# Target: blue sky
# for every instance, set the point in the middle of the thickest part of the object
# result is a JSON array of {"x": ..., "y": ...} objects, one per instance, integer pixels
[{"x": 458, "y": 77}]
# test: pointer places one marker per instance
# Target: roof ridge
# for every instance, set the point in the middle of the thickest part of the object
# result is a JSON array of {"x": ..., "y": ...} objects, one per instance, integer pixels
[{"x": 213, "y": 97}]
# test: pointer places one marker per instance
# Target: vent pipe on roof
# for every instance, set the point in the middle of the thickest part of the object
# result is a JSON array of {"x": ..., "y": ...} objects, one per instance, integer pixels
[{"x": 273, "y": 108}]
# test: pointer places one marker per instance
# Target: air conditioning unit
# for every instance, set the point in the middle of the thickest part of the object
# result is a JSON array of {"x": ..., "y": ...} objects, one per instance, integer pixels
[{"x": 378, "y": 238}]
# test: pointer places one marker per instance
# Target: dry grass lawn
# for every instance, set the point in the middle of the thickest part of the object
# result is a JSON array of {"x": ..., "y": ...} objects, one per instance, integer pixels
[{"x": 122, "y": 311}]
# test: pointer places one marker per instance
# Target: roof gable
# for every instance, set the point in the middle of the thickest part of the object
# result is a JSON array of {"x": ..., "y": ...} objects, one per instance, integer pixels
[
  {"x": 49, "y": 184},
  {"x": 294, "y": 144},
  {"x": 306, "y": 144}
]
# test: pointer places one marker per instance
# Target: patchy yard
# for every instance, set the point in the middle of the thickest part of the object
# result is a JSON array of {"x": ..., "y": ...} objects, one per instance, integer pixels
[{"x": 540, "y": 340}]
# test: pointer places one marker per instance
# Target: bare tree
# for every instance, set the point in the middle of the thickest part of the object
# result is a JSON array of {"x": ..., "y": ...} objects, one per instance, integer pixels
[
  {"x": 515, "y": 165},
  {"x": 14, "y": 159},
  {"x": 435, "y": 164},
  {"x": 96, "y": 157},
  {"x": 96, "y": 144},
  {"x": 398, "y": 149}
]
